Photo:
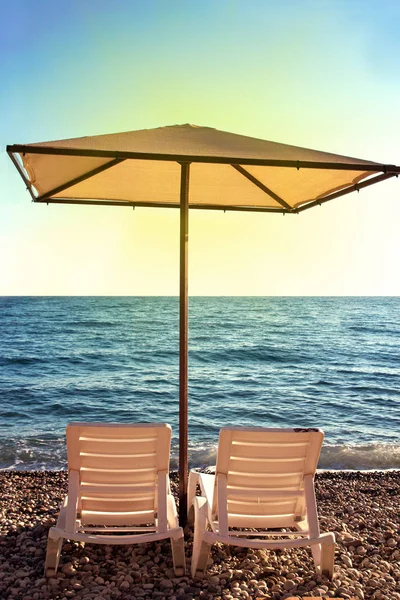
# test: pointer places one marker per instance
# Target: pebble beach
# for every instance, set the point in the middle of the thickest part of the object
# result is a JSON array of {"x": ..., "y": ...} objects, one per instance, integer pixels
[{"x": 362, "y": 508}]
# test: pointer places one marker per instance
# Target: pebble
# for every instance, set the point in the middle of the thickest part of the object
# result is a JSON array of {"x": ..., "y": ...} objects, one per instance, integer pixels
[
  {"x": 366, "y": 561},
  {"x": 68, "y": 569},
  {"x": 347, "y": 560},
  {"x": 289, "y": 585}
]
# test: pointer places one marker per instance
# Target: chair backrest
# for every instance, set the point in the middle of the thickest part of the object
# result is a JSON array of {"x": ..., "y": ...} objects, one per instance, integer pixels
[
  {"x": 118, "y": 466},
  {"x": 263, "y": 472}
]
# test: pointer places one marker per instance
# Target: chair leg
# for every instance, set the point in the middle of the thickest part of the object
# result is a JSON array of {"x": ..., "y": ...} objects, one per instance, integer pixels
[
  {"x": 316, "y": 554},
  {"x": 324, "y": 557},
  {"x": 192, "y": 483},
  {"x": 54, "y": 545},
  {"x": 201, "y": 549},
  {"x": 327, "y": 559},
  {"x": 178, "y": 556},
  {"x": 52, "y": 556},
  {"x": 177, "y": 544}
]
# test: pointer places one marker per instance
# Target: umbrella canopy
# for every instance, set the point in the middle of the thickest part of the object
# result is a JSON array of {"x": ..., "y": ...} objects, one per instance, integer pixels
[
  {"x": 228, "y": 171},
  {"x": 151, "y": 167}
]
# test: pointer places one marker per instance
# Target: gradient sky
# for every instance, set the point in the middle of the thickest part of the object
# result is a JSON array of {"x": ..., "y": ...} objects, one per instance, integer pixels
[{"x": 322, "y": 74}]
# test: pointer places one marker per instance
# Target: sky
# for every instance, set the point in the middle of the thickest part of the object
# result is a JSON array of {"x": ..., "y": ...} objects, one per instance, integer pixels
[{"x": 321, "y": 74}]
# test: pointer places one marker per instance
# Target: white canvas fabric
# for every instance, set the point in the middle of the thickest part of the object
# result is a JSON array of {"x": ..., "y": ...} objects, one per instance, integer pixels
[{"x": 151, "y": 173}]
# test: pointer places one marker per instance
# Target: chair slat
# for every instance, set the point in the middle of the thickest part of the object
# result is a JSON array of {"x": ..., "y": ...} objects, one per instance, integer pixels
[
  {"x": 117, "y": 518},
  {"x": 118, "y": 447},
  {"x": 284, "y": 507},
  {"x": 268, "y": 467},
  {"x": 105, "y": 461},
  {"x": 260, "y": 481},
  {"x": 89, "y": 504},
  {"x": 121, "y": 476},
  {"x": 277, "y": 451},
  {"x": 117, "y": 489}
]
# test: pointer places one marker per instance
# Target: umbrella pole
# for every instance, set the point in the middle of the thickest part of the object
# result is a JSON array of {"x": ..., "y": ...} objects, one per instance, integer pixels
[{"x": 183, "y": 343}]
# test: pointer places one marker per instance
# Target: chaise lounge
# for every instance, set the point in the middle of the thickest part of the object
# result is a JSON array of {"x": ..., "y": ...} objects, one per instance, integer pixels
[
  {"x": 118, "y": 490},
  {"x": 261, "y": 496}
]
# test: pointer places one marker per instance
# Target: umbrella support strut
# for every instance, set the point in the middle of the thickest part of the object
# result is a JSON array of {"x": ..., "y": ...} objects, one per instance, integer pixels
[{"x": 183, "y": 343}]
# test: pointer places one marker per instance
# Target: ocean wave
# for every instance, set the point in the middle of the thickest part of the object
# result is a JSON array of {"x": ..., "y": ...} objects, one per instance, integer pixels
[
  {"x": 369, "y": 329},
  {"x": 247, "y": 355},
  {"x": 333, "y": 456},
  {"x": 33, "y": 453},
  {"x": 360, "y": 456},
  {"x": 21, "y": 360},
  {"x": 92, "y": 324}
]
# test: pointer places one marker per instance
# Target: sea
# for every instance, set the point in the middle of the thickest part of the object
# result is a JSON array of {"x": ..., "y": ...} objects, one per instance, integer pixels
[{"x": 327, "y": 362}]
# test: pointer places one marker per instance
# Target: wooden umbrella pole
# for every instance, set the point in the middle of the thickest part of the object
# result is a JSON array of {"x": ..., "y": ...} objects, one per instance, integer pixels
[{"x": 183, "y": 344}]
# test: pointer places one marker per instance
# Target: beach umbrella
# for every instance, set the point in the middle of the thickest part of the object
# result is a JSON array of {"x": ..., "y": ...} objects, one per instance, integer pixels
[{"x": 153, "y": 167}]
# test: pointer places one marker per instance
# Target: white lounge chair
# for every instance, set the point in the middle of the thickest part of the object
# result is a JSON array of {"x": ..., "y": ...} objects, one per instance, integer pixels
[
  {"x": 118, "y": 490},
  {"x": 264, "y": 480}
]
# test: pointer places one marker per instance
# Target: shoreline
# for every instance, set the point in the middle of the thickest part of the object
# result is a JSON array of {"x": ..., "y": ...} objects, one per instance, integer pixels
[
  {"x": 40, "y": 454},
  {"x": 361, "y": 507},
  {"x": 174, "y": 472}
]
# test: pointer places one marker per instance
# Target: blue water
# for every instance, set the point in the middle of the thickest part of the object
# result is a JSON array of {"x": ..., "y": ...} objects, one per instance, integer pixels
[{"x": 325, "y": 362}]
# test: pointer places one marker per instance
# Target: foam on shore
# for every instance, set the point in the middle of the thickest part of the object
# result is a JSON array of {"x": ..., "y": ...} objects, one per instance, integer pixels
[{"x": 43, "y": 454}]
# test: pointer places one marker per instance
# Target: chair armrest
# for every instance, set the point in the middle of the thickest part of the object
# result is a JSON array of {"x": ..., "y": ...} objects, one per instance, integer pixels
[
  {"x": 191, "y": 491},
  {"x": 206, "y": 483},
  {"x": 207, "y": 486}
]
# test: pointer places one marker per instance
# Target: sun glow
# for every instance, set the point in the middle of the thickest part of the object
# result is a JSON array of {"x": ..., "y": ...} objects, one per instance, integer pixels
[{"x": 314, "y": 81}]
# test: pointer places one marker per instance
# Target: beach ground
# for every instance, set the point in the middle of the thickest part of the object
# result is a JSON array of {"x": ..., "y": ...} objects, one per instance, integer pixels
[{"x": 362, "y": 508}]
